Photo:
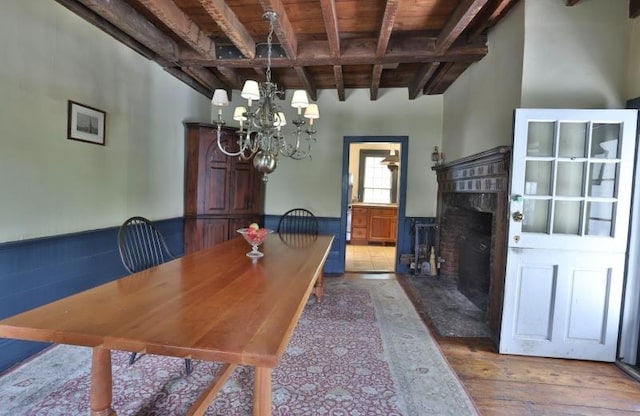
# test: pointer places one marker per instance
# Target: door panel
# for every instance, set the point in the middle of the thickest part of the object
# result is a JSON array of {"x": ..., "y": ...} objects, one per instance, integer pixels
[{"x": 570, "y": 198}]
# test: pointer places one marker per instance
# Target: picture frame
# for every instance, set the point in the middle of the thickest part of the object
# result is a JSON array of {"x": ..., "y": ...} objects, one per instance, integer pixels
[{"x": 86, "y": 124}]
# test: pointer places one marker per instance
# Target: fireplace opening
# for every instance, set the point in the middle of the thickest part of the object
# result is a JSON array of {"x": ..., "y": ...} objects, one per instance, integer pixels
[{"x": 474, "y": 258}]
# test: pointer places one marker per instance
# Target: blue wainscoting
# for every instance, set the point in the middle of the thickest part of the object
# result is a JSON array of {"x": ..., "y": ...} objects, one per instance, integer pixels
[
  {"x": 335, "y": 261},
  {"x": 39, "y": 271}
]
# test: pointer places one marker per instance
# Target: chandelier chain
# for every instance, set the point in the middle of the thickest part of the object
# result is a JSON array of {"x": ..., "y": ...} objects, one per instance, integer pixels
[{"x": 269, "y": 40}]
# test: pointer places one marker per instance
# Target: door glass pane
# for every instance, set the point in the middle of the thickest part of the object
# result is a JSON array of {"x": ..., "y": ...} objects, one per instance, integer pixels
[
  {"x": 572, "y": 140},
  {"x": 603, "y": 180},
  {"x": 600, "y": 218},
  {"x": 540, "y": 138},
  {"x": 569, "y": 181},
  {"x": 538, "y": 178},
  {"x": 536, "y": 216},
  {"x": 566, "y": 218},
  {"x": 605, "y": 141}
]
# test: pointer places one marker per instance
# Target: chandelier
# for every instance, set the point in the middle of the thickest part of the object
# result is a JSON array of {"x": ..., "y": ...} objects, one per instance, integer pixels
[{"x": 260, "y": 135}]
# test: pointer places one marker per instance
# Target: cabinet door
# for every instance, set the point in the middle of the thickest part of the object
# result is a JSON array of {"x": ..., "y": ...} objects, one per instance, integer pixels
[
  {"x": 201, "y": 233},
  {"x": 216, "y": 180},
  {"x": 241, "y": 188},
  {"x": 380, "y": 228}
]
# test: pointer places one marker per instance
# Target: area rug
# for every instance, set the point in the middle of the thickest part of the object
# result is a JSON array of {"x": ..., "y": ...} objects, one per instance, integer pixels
[{"x": 363, "y": 351}]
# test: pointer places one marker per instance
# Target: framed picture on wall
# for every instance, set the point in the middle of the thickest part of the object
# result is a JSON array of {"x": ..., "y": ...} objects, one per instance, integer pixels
[{"x": 85, "y": 123}]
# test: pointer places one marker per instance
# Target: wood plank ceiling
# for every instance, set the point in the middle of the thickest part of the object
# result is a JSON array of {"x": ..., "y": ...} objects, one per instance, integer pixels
[{"x": 420, "y": 45}]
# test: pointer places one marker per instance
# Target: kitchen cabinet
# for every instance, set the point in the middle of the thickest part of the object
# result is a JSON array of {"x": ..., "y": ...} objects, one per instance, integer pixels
[
  {"x": 373, "y": 224},
  {"x": 222, "y": 193}
]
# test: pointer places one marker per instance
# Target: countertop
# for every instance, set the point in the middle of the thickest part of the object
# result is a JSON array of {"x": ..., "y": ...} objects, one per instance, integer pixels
[{"x": 369, "y": 204}]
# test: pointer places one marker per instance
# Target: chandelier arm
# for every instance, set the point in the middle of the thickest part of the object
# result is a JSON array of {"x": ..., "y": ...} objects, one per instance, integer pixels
[{"x": 221, "y": 146}]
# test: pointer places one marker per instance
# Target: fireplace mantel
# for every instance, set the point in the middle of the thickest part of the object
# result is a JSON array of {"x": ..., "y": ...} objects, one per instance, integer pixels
[{"x": 480, "y": 183}]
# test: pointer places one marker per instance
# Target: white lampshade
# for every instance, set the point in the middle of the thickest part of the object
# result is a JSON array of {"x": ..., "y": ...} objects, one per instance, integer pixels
[
  {"x": 250, "y": 90},
  {"x": 312, "y": 112},
  {"x": 299, "y": 99},
  {"x": 239, "y": 114},
  {"x": 220, "y": 98},
  {"x": 280, "y": 120}
]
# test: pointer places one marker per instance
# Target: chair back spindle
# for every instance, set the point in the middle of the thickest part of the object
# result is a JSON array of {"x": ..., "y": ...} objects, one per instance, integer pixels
[{"x": 298, "y": 221}]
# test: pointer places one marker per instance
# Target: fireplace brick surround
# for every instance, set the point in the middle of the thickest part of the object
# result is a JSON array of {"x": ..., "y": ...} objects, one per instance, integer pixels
[{"x": 476, "y": 183}]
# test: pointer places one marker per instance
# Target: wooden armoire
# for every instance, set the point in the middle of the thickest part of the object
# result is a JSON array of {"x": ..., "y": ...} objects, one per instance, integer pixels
[{"x": 221, "y": 193}]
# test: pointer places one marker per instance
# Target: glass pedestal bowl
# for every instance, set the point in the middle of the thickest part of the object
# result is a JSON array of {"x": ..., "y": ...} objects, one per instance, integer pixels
[{"x": 254, "y": 238}]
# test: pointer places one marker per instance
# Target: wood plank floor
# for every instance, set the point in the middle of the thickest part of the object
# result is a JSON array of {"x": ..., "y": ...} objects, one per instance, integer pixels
[{"x": 517, "y": 385}]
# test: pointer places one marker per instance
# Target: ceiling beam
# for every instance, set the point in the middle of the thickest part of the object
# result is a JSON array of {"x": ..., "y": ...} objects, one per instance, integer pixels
[
  {"x": 331, "y": 26},
  {"x": 634, "y": 9},
  {"x": 386, "y": 27},
  {"x": 176, "y": 20},
  {"x": 572, "y": 2},
  {"x": 500, "y": 9},
  {"x": 419, "y": 82},
  {"x": 231, "y": 77},
  {"x": 187, "y": 79},
  {"x": 282, "y": 27},
  {"x": 127, "y": 19},
  {"x": 356, "y": 52},
  {"x": 205, "y": 77},
  {"x": 229, "y": 23},
  {"x": 303, "y": 74},
  {"x": 375, "y": 82},
  {"x": 337, "y": 74},
  {"x": 110, "y": 29},
  {"x": 432, "y": 84},
  {"x": 458, "y": 22}
]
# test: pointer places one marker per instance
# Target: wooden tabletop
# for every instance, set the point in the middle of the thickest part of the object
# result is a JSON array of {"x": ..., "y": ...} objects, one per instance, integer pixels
[{"x": 216, "y": 304}]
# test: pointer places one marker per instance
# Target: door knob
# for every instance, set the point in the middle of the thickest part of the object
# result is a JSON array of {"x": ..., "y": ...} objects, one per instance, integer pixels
[{"x": 517, "y": 216}]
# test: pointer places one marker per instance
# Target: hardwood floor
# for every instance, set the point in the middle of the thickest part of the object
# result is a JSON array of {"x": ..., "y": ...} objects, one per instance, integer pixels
[{"x": 518, "y": 385}]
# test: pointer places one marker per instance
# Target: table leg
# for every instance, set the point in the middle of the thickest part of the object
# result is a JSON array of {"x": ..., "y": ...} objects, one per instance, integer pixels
[
  {"x": 262, "y": 392},
  {"x": 101, "y": 383},
  {"x": 319, "y": 288}
]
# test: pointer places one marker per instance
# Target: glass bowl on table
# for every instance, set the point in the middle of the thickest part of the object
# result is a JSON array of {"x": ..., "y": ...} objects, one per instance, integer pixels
[{"x": 254, "y": 237}]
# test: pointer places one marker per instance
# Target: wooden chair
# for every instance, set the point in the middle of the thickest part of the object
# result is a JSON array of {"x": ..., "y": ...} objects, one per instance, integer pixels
[
  {"x": 141, "y": 247},
  {"x": 298, "y": 221}
]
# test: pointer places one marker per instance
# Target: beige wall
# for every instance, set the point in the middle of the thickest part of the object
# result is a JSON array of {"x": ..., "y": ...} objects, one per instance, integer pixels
[
  {"x": 316, "y": 184},
  {"x": 633, "y": 61},
  {"x": 478, "y": 107},
  {"x": 51, "y": 185},
  {"x": 575, "y": 57}
]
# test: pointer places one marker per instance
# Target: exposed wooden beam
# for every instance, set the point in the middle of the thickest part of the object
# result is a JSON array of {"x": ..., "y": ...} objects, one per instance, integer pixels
[
  {"x": 386, "y": 27},
  {"x": 458, "y": 22},
  {"x": 282, "y": 27},
  {"x": 425, "y": 73},
  {"x": 634, "y": 9},
  {"x": 127, "y": 19},
  {"x": 500, "y": 9},
  {"x": 187, "y": 79},
  {"x": 337, "y": 74},
  {"x": 176, "y": 20},
  {"x": 231, "y": 77},
  {"x": 375, "y": 82},
  {"x": 227, "y": 20},
  {"x": 204, "y": 76},
  {"x": 572, "y": 2},
  {"x": 432, "y": 84},
  {"x": 110, "y": 29},
  {"x": 306, "y": 80},
  {"x": 358, "y": 52},
  {"x": 331, "y": 26}
]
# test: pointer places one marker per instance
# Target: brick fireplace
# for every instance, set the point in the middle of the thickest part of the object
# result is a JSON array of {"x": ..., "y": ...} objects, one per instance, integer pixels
[{"x": 472, "y": 213}]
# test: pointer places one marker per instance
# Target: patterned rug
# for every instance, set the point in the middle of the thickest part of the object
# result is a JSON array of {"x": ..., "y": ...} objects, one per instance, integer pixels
[{"x": 363, "y": 351}]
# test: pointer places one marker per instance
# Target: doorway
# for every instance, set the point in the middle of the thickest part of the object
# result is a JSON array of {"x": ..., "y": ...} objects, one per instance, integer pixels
[{"x": 373, "y": 202}]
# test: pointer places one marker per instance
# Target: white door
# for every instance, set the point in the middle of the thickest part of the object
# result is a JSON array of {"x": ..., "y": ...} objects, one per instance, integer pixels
[{"x": 571, "y": 181}]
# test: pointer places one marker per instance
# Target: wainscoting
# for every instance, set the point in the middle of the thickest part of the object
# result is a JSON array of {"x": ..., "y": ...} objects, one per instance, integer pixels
[{"x": 39, "y": 271}]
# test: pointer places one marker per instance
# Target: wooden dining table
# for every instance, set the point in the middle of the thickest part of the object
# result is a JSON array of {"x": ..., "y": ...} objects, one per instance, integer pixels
[{"x": 216, "y": 304}]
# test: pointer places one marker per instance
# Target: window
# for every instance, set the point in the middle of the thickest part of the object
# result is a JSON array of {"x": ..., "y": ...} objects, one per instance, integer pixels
[{"x": 377, "y": 182}]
